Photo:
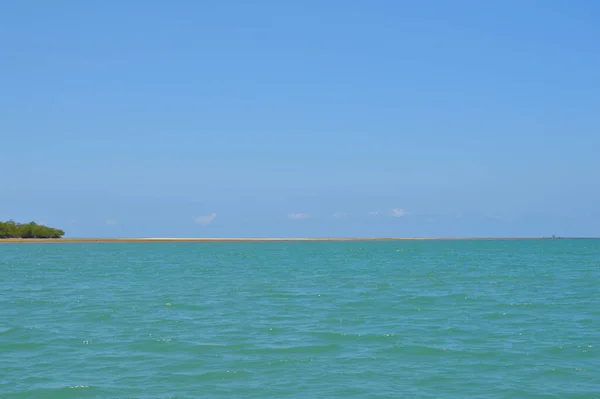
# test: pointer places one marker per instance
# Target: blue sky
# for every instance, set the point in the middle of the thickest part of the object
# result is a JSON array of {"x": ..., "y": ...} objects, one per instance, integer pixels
[{"x": 270, "y": 118}]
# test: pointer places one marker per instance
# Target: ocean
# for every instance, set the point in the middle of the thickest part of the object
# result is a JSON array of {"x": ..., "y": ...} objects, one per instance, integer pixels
[{"x": 410, "y": 319}]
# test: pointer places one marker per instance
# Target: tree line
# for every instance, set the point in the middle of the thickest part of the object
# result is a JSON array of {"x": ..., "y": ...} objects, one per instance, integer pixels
[{"x": 11, "y": 229}]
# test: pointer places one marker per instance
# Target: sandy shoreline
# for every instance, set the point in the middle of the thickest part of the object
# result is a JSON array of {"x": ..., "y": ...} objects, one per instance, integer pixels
[{"x": 166, "y": 239}]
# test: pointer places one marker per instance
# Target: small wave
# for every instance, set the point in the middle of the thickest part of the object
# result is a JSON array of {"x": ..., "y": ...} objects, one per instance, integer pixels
[
  {"x": 299, "y": 349},
  {"x": 220, "y": 375},
  {"x": 341, "y": 336}
]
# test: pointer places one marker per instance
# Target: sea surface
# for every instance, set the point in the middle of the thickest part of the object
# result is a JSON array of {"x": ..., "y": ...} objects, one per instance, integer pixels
[{"x": 442, "y": 319}]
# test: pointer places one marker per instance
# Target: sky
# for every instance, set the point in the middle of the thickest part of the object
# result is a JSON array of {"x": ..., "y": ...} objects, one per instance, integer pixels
[{"x": 301, "y": 119}]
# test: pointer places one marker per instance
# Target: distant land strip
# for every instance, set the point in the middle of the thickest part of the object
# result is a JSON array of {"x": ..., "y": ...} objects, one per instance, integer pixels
[{"x": 164, "y": 239}]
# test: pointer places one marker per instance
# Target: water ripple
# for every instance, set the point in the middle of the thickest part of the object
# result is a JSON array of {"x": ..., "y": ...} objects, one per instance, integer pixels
[{"x": 272, "y": 320}]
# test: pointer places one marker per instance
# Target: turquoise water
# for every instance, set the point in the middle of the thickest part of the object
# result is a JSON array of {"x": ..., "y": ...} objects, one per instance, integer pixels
[{"x": 475, "y": 319}]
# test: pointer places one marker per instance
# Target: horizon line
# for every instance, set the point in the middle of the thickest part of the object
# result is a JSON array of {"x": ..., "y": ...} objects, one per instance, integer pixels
[{"x": 276, "y": 239}]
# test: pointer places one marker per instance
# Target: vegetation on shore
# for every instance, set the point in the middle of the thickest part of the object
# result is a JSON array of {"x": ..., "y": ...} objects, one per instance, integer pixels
[{"x": 11, "y": 229}]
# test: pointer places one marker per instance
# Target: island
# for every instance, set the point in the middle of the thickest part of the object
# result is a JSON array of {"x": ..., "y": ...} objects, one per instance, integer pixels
[{"x": 14, "y": 230}]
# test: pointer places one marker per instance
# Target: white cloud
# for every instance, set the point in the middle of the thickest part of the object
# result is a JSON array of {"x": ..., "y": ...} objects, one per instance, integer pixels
[
  {"x": 398, "y": 212},
  {"x": 340, "y": 215},
  {"x": 111, "y": 222},
  {"x": 374, "y": 213},
  {"x": 204, "y": 220},
  {"x": 299, "y": 215}
]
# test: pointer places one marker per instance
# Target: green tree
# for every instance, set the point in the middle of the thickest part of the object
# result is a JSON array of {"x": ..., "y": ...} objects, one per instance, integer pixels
[{"x": 10, "y": 229}]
